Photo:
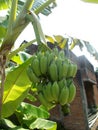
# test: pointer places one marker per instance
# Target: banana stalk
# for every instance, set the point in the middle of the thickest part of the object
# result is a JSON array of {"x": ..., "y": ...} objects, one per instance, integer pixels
[{"x": 38, "y": 30}]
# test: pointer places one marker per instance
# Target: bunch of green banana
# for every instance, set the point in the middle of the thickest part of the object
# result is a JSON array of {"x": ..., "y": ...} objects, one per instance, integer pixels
[
  {"x": 52, "y": 73},
  {"x": 55, "y": 68}
]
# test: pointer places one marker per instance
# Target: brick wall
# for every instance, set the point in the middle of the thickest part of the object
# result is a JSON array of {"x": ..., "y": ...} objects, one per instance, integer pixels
[{"x": 95, "y": 94}]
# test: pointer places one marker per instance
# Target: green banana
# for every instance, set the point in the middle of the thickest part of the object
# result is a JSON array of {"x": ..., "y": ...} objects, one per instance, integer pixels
[
  {"x": 35, "y": 66},
  {"x": 39, "y": 55},
  {"x": 48, "y": 92},
  {"x": 55, "y": 51},
  {"x": 72, "y": 92},
  {"x": 33, "y": 78},
  {"x": 44, "y": 102},
  {"x": 47, "y": 53},
  {"x": 55, "y": 91},
  {"x": 53, "y": 72},
  {"x": 34, "y": 56},
  {"x": 65, "y": 68},
  {"x": 51, "y": 57},
  {"x": 64, "y": 94},
  {"x": 74, "y": 70},
  {"x": 43, "y": 64},
  {"x": 61, "y": 54},
  {"x": 61, "y": 84},
  {"x": 70, "y": 70}
]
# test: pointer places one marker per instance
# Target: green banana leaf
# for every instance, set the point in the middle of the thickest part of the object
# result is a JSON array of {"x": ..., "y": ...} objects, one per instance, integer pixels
[
  {"x": 40, "y": 6},
  {"x": 43, "y": 124},
  {"x": 57, "y": 40},
  {"x": 18, "y": 128},
  {"x": 16, "y": 88},
  {"x": 28, "y": 113},
  {"x": 21, "y": 48},
  {"x": 6, "y": 124},
  {"x": 91, "y": 1},
  {"x": 20, "y": 57},
  {"x": 5, "y": 4}
]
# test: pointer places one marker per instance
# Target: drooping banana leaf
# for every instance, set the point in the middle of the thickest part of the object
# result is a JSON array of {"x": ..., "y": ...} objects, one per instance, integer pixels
[
  {"x": 91, "y": 50},
  {"x": 57, "y": 40},
  {"x": 75, "y": 42},
  {"x": 16, "y": 88}
]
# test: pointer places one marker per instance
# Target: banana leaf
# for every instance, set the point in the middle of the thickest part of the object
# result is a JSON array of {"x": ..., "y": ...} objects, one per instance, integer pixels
[
  {"x": 39, "y": 5},
  {"x": 16, "y": 88},
  {"x": 5, "y": 4},
  {"x": 43, "y": 124},
  {"x": 28, "y": 113},
  {"x": 20, "y": 57},
  {"x": 91, "y": 1}
]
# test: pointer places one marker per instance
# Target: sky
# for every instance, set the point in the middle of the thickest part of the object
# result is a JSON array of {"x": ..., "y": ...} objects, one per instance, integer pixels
[
  {"x": 77, "y": 19},
  {"x": 74, "y": 18}
]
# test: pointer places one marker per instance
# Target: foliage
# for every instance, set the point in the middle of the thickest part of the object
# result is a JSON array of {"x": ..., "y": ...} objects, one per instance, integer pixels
[
  {"x": 16, "y": 88},
  {"x": 33, "y": 117},
  {"x": 63, "y": 41}
]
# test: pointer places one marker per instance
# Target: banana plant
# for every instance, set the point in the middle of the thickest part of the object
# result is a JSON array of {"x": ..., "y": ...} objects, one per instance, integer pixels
[{"x": 15, "y": 85}]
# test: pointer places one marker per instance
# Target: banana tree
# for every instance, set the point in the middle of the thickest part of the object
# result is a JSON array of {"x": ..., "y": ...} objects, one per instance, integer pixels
[{"x": 14, "y": 85}]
